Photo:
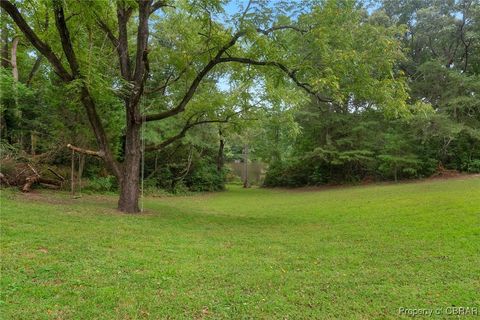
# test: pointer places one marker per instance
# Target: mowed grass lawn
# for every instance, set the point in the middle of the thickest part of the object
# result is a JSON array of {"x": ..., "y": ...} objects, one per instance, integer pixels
[{"x": 346, "y": 253}]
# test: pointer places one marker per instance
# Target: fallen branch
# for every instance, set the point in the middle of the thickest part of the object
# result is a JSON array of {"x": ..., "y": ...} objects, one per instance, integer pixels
[
  {"x": 29, "y": 181},
  {"x": 27, "y": 187},
  {"x": 33, "y": 169},
  {"x": 49, "y": 181},
  {"x": 50, "y": 186},
  {"x": 56, "y": 174}
]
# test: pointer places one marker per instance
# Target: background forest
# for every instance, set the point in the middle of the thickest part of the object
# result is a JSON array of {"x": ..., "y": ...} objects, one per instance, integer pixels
[{"x": 375, "y": 91}]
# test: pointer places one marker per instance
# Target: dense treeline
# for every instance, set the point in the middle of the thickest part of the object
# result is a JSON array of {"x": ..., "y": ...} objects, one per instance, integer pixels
[
  {"x": 322, "y": 92},
  {"x": 354, "y": 142}
]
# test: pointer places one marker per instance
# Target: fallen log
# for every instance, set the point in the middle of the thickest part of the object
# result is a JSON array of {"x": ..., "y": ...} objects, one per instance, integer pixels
[
  {"x": 50, "y": 181},
  {"x": 28, "y": 183},
  {"x": 31, "y": 180},
  {"x": 49, "y": 186}
]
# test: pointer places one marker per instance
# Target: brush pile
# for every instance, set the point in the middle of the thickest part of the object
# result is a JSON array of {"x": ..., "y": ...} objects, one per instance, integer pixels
[{"x": 25, "y": 171}]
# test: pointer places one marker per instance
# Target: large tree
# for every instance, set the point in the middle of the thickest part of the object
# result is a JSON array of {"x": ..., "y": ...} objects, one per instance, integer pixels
[{"x": 66, "y": 53}]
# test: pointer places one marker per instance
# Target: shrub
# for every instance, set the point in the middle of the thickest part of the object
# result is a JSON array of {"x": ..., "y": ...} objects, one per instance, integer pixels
[
  {"x": 205, "y": 177},
  {"x": 474, "y": 166},
  {"x": 102, "y": 184},
  {"x": 290, "y": 173}
]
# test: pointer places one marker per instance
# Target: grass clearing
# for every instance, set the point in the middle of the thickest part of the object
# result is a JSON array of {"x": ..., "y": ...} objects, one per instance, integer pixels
[{"x": 349, "y": 253}]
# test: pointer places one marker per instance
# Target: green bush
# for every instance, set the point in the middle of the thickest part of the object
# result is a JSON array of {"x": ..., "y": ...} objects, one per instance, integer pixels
[
  {"x": 102, "y": 184},
  {"x": 474, "y": 166},
  {"x": 205, "y": 177},
  {"x": 289, "y": 174}
]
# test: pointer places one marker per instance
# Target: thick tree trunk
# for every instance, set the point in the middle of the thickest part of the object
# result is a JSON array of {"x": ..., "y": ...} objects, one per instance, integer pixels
[
  {"x": 130, "y": 180},
  {"x": 129, "y": 191}
]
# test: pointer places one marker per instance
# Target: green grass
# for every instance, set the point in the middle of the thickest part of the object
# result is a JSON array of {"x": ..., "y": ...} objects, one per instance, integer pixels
[{"x": 348, "y": 253}]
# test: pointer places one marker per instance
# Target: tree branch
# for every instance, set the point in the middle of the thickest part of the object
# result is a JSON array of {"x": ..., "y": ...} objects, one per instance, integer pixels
[
  {"x": 142, "y": 40},
  {"x": 207, "y": 68},
  {"x": 159, "y": 4},
  {"x": 183, "y": 174},
  {"x": 41, "y": 46},
  {"x": 123, "y": 14},
  {"x": 100, "y": 153},
  {"x": 65, "y": 37},
  {"x": 245, "y": 12},
  {"x": 291, "y": 74},
  {"x": 182, "y": 133},
  {"x": 140, "y": 73},
  {"x": 196, "y": 82},
  {"x": 109, "y": 32},
  {"x": 34, "y": 70},
  {"x": 164, "y": 86}
]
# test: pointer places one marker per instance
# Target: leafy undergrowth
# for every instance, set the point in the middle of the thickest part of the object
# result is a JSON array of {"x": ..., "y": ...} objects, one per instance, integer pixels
[{"x": 351, "y": 253}]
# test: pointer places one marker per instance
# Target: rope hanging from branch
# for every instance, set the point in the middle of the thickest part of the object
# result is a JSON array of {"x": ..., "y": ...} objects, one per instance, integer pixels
[
  {"x": 81, "y": 161},
  {"x": 72, "y": 173},
  {"x": 142, "y": 173}
]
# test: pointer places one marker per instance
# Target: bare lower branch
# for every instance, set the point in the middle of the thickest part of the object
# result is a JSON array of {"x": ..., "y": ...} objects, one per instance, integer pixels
[{"x": 100, "y": 153}]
